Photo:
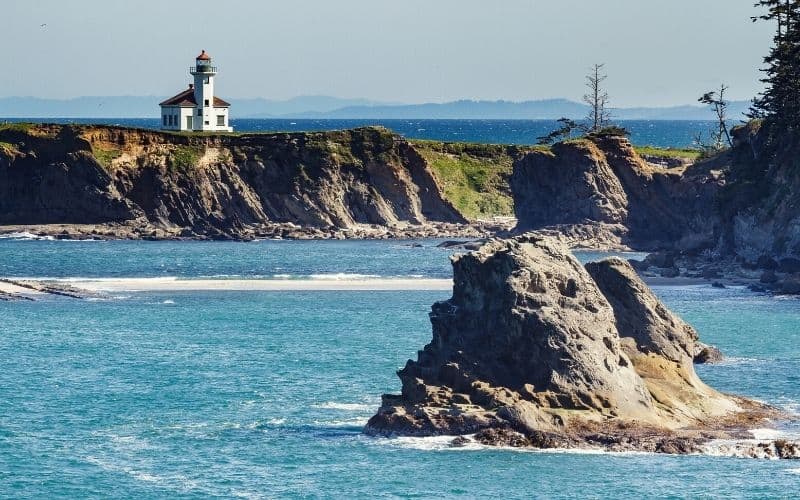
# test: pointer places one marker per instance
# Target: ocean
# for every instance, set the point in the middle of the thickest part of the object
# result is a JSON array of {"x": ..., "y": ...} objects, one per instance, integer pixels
[
  {"x": 219, "y": 394},
  {"x": 660, "y": 133}
]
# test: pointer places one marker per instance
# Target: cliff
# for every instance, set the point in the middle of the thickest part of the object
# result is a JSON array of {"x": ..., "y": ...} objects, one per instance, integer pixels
[
  {"x": 215, "y": 185},
  {"x": 602, "y": 182},
  {"x": 759, "y": 205},
  {"x": 533, "y": 349}
]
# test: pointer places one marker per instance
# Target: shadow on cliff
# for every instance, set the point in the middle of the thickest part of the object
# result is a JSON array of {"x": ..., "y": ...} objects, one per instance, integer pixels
[{"x": 214, "y": 184}]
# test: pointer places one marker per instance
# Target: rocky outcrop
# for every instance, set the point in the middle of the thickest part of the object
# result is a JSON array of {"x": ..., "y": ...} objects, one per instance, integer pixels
[
  {"x": 533, "y": 349},
  {"x": 760, "y": 205},
  {"x": 19, "y": 289},
  {"x": 603, "y": 182},
  {"x": 571, "y": 184},
  {"x": 217, "y": 185}
]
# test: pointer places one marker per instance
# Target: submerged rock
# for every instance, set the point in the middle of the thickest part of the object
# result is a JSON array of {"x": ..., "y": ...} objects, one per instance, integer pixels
[{"x": 535, "y": 350}]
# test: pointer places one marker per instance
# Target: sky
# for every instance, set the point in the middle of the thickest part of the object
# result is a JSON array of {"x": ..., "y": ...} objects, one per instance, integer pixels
[{"x": 657, "y": 52}]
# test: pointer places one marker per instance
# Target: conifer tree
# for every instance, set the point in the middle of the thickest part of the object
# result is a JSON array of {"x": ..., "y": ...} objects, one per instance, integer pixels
[
  {"x": 780, "y": 101},
  {"x": 597, "y": 99}
]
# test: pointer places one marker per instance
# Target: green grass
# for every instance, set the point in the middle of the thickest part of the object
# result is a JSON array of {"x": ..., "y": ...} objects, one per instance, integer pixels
[
  {"x": 474, "y": 177},
  {"x": 106, "y": 156},
  {"x": 17, "y": 126},
  {"x": 7, "y": 147},
  {"x": 184, "y": 158},
  {"x": 691, "y": 154}
]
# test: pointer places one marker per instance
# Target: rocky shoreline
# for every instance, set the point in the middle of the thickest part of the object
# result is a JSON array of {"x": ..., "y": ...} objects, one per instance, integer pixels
[
  {"x": 536, "y": 350},
  {"x": 767, "y": 275},
  {"x": 27, "y": 290},
  {"x": 274, "y": 231}
]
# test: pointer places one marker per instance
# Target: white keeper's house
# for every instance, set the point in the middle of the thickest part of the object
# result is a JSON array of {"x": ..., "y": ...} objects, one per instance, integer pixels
[{"x": 197, "y": 108}]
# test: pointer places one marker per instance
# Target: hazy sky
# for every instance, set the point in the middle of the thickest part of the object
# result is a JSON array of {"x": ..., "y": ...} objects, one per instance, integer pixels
[{"x": 657, "y": 52}]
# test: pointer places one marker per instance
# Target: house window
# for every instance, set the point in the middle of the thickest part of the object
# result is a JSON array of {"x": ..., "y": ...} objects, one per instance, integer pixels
[
  {"x": 220, "y": 120},
  {"x": 206, "y": 102},
  {"x": 164, "y": 120}
]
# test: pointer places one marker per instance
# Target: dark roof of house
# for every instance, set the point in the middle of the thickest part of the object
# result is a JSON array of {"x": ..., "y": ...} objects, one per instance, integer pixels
[
  {"x": 186, "y": 99},
  {"x": 203, "y": 56}
]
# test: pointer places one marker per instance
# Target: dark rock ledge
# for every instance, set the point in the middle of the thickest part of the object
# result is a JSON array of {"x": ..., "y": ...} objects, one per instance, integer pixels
[
  {"x": 536, "y": 350},
  {"x": 24, "y": 289}
]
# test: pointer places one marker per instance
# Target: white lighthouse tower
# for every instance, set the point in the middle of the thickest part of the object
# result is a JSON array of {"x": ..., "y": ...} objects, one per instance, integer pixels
[{"x": 197, "y": 108}]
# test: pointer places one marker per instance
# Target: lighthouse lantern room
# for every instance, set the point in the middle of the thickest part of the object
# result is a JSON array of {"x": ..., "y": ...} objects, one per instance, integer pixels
[{"x": 197, "y": 108}]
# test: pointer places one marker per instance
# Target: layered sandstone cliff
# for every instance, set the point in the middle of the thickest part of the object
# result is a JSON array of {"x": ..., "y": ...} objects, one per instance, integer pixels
[
  {"x": 218, "y": 185},
  {"x": 533, "y": 349},
  {"x": 603, "y": 182}
]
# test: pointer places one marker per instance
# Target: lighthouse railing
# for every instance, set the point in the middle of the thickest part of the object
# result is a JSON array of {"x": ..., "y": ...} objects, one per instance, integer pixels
[{"x": 202, "y": 69}]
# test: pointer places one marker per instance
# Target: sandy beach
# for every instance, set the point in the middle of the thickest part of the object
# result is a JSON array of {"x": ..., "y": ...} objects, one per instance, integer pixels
[
  {"x": 13, "y": 289},
  {"x": 173, "y": 284}
]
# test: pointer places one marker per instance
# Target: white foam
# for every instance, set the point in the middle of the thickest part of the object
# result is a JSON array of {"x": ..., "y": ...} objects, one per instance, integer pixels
[
  {"x": 343, "y": 276},
  {"x": 332, "y": 405},
  {"x": 766, "y": 434},
  {"x": 340, "y": 282},
  {"x": 178, "y": 482},
  {"x": 444, "y": 443},
  {"x": 350, "y": 422},
  {"x": 793, "y": 471},
  {"x": 168, "y": 302},
  {"x": 25, "y": 236}
]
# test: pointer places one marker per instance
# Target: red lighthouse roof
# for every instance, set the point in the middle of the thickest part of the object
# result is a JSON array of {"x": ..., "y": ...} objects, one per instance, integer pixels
[{"x": 203, "y": 56}]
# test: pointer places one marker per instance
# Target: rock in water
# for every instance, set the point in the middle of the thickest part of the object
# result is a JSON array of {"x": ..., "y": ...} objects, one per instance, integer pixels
[{"x": 533, "y": 349}]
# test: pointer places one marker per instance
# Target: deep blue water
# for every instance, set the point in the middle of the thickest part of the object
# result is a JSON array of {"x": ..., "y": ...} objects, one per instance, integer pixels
[
  {"x": 661, "y": 133},
  {"x": 264, "y": 394}
]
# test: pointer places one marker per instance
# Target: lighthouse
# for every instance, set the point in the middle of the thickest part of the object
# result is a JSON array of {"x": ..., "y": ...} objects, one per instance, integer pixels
[{"x": 197, "y": 108}]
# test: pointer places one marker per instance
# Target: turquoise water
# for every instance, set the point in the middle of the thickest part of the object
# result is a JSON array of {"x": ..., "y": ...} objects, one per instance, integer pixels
[{"x": 264, "y": 394}]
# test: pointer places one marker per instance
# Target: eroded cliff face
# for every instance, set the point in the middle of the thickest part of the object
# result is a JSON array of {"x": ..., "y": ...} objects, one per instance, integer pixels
[
  {"x": 761, "y": 204},
  {"x": 216, "y": 184},
  {"x": 603, "y": 182},
  {"x": 533, "y": 349}
]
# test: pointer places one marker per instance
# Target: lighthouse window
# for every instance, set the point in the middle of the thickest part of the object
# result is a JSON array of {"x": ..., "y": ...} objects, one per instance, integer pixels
[
  {"x": 206, "y": 102},
  {"x": 199, "y": 112}
]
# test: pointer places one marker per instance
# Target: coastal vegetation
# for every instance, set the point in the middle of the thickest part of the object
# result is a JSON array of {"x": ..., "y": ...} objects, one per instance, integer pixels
[
  {"x": 7, "y": 147},
  {"x": 668, "y": 153},
  {"x": 184, "y": 158},
  {"x": 105, "y": 155},
  {"x": 17, "y": 126},
  {"x": 597, "y": 123},
  {"x": 473, "y": 177}
]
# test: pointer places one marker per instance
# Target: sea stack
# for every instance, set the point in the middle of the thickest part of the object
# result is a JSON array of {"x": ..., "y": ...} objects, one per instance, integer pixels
[{"x": 534, "y": 349}]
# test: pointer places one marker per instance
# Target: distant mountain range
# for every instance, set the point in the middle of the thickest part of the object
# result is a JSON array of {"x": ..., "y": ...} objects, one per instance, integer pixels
[{"x": 325, "y": 107}]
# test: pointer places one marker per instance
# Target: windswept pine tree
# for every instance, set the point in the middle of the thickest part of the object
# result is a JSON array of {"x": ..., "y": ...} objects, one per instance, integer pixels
[{"x": 597, "y": 99}]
